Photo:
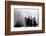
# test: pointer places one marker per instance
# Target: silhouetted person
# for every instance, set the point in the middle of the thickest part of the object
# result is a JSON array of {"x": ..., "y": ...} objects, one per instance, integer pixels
[
  {"x": 31, "y": 22},
  {"x": 28, "y": 21},
  {"x": 18, "y": 24},
  {"x": 34, "y": 20}
]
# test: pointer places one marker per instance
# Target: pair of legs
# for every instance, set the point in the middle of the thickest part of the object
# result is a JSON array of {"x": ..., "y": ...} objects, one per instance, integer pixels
[{"x": 30, "y": 25}]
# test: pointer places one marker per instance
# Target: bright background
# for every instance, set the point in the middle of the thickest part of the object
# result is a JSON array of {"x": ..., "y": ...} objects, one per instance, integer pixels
[
  {"x": 2, "y": 18},
  {"x": 21, "y": 13}
]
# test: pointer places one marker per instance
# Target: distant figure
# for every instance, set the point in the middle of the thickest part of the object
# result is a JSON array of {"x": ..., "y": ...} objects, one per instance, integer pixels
[
  {"x": 18, "y": 24},
  {"x": 28, "y": 21},
  {"x": 34, "y": 20},
  {"x": 31, "y": 21}
]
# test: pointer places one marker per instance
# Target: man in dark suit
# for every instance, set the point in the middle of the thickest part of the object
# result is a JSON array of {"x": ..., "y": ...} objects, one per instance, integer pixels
[
  {"x": 28, "y": 21},
  {"x": 34, "y": 20}
]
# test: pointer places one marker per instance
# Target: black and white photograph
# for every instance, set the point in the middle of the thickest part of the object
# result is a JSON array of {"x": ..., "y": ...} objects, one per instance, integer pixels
[{"x": 26, "y": 17}]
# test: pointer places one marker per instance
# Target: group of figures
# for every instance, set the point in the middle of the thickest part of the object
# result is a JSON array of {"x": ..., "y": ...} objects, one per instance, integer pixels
[{"x": 29, "y": 22}]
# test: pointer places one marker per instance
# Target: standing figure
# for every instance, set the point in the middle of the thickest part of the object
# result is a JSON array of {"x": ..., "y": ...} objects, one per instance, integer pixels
[
  {"x": 34, "y": 20},
  {"x": 28, "y": 21},
  {"x": 31, "y": 21}
]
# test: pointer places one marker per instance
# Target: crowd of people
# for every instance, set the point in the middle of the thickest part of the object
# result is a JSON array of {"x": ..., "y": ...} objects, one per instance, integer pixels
[{"x": 30, "y": 22}]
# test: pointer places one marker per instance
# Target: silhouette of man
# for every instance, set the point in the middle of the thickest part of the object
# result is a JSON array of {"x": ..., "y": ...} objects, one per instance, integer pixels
[
  {"x": 28, "y": 21},
  {"x": 34, "y": 20},
  {"x": 31, "y": 22}
]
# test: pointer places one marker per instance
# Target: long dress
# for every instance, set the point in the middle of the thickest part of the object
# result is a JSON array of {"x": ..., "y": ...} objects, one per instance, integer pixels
[{"x": 18, "y": 24}]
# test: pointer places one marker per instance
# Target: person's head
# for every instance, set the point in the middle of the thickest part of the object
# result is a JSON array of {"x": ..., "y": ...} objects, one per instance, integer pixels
[
  {"x": 29, "y": 17},
  {"x": 34, "y": 17},
  {"x": 25, "y": 18}
]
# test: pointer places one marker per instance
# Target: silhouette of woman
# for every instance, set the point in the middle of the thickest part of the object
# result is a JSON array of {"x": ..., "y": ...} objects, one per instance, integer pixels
[{"x": 18, "y": 24}]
